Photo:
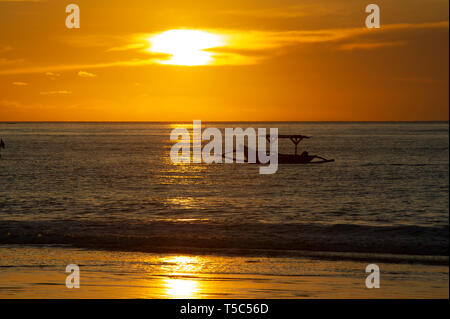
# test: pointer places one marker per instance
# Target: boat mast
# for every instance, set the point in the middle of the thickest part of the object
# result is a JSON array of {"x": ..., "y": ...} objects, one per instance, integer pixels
[{"x": 295, "y": 140}]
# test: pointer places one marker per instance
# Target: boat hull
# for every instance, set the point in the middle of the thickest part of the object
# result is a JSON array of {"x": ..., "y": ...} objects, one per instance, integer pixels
[
  {"x": 289, "y": 159},
  {"x": 296, "y": 159}
]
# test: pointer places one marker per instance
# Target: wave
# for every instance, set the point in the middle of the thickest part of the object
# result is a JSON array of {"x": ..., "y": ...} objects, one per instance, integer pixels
[{"x": 410, "y": 244}]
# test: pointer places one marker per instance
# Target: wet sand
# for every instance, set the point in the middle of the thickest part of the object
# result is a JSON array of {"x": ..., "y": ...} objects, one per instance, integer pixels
[{"x": 39, "y": 272}]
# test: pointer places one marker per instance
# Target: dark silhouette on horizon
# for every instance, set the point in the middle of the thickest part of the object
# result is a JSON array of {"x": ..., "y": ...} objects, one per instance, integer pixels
[{"x": 2, "y": 145}]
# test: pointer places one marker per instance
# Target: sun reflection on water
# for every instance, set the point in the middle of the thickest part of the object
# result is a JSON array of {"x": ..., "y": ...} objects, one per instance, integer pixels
[
  {"x": 181, "y": 288},
  {"x": 180, "y": 284}
]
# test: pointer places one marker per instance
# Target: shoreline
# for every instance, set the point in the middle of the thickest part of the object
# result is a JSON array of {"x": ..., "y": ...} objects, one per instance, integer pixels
[
  {"x": 425, "y": 245},
  {"x": 39, "y": 272},
  {"x": 425, "y": 260}
]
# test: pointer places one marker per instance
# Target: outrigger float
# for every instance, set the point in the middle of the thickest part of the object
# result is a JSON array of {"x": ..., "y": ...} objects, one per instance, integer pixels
[{"x": 303, "y": 158}]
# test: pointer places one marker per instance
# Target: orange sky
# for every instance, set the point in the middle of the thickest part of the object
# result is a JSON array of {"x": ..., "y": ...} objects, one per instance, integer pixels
[{"x": 276, "y": 60}]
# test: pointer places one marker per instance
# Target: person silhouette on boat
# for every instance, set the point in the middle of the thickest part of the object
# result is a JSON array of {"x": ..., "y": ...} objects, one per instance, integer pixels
[{"x": 305, "y": 157}]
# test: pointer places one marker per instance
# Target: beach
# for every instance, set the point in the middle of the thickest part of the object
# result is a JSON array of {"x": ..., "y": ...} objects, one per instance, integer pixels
[{"x": 24, "y": 273}]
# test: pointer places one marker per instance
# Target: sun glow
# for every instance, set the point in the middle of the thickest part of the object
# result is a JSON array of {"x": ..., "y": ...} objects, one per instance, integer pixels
[
  {"x": 181, "y": 288},
  {"x": 185, "y": 47}
]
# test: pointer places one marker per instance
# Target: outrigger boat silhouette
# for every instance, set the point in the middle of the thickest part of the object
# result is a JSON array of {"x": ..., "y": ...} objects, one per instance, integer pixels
[{"x": 303, "y": 158}]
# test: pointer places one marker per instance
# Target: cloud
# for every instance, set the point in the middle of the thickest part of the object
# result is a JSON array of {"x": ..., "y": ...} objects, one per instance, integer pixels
[
  {"x": 10, "y": 103},
  {"x": 370, "y": 39},
  {"x": 370, "y": 46},
  {"x": 92, "y": 40},
  {"x": 250, "y": 47},
  {"x": 420, "y": 80},
  {"x": 5, "y": 48},
  {"x": 247, "y": 47},
  {"x": 285, "y": 12},
  {"x": 55, "y": 92},
  {"x": 127, "y": 47},
  {"x": 4, "y": 61},
  {"x": 69, "y": 67},
  {"x": 52, "y": 74},
  {"x": 85, "y": 74},
  {"x": 20, "y": 83}
]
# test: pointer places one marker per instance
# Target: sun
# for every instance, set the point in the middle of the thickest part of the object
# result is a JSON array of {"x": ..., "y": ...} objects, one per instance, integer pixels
[{"x": 185, "y": 47}]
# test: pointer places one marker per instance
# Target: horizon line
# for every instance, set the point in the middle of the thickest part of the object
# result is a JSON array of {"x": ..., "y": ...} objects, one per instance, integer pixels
[{"x": 239, "y": 121}]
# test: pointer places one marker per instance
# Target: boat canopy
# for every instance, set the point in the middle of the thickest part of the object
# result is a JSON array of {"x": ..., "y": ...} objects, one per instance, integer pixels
[{"x": 295, "y": 138}]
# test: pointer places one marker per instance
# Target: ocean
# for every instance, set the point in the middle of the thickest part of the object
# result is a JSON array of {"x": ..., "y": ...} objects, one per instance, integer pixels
[{"x": 112, "y": 187}]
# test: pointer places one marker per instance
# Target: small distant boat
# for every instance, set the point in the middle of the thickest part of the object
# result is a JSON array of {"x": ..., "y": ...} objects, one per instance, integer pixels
[{"x": 303, "y": 158}]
